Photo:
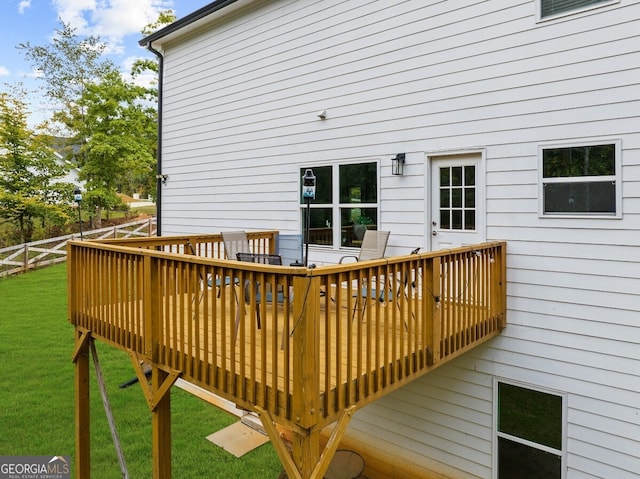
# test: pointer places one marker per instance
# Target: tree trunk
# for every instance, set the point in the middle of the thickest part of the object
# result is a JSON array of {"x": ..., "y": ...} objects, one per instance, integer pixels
[{"x": 97, "y": 219}]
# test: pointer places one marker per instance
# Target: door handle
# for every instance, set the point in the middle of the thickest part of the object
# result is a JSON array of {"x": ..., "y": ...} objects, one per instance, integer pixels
[{"x": 434, "y": 233}]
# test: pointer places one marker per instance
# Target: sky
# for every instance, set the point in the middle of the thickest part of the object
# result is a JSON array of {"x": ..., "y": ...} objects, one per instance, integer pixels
[{"x": 117, "y": 22}]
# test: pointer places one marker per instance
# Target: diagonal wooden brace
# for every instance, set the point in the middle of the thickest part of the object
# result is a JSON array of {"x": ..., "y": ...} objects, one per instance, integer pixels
[
  {"x": 153, "y": 397},
  {"x": 325, "y": 458},
  {"x": 82, "y": 342},
  {"x": 278, "y": 444},
  {"x": 332, "y": 444}
]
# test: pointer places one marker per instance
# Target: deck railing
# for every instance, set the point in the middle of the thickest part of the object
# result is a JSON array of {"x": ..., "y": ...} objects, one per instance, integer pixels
[{"x": 302, "y": 344}]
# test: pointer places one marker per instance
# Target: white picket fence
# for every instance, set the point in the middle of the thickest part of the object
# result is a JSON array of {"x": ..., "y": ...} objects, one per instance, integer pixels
[{"x": 20, "y": 258}]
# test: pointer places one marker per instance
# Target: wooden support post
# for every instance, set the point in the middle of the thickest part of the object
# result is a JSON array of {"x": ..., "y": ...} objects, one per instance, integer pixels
[
  {"x": 161, "y": 425},
  {"x": 160, "y": 402},
  {"x": 83, "y": 436},
  {"x": 306, "y": 451},
  {"x": 306, "y": 375}
]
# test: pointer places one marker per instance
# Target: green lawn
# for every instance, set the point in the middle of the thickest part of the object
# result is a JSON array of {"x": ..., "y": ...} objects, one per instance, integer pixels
[{"x": 37, "y": 396}]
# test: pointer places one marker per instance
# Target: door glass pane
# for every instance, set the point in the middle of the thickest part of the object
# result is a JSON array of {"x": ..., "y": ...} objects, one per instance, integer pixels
[
  {"x": 517, "y": 461},
  {"x": 469, "y": 220},
  {"x": 445, "y": 176},
  {"x": 456, "y": 197},
  {"x": 456, "y": 219},
  {"x": 445, "y": 222},
  {"x": 469, "y": 197},
  {"x": 470, "y": 175},
  {"x": 456, "y": 176},
  {"x": 445, "y": 198}
]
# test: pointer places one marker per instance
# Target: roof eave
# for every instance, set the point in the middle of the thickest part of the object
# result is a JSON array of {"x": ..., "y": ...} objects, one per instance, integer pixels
[{"x": 186, "y": 21}]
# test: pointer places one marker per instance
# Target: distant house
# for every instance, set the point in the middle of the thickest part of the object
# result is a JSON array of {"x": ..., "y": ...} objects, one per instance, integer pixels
[
  {"x": 72, "y": 175},
  {"x": 516, "y": 121}
]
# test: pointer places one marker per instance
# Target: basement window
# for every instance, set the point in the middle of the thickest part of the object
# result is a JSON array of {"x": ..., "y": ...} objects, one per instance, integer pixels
[{"x": 530, "y": 433}]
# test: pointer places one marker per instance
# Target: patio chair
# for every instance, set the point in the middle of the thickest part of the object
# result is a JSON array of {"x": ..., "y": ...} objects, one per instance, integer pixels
[
  {"x": 273, "y": 259},
  {"x": 235, "y": 242},
  {"x": 374, "y": 246},
  {"x": 385, "y": 293}
]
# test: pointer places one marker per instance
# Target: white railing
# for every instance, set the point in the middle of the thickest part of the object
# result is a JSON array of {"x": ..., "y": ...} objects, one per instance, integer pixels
[{"x": 22, "y": 257}]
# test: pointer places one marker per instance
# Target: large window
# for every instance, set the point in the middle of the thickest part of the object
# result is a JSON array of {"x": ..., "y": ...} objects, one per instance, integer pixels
[
  {"x": 550, "y": 8},
  {"x": 346, "y": 203},
  {"x": 529, "y": 433},
  {"x": 580, "y": 180}
]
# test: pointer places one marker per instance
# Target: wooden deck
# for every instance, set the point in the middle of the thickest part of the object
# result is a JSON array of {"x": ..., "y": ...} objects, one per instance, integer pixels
[{"x": 301, "y": 347}]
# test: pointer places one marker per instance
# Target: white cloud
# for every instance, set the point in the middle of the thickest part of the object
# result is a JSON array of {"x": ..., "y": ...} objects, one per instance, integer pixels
[
  {"x": 34, "y": 74},
  {"x": 112, "y": 20},
  {"x": 145, "y": 79},
  {"x": 23, "y": 5},
  {"x": 72, "y": 12},
  {"x": 4, "y": 71}
]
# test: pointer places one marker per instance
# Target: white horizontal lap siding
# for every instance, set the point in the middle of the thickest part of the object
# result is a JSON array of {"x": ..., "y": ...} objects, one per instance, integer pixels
[
  {"x": 240, "y": 106},
  {"x": 445, "y": 416},
  {"x": 573, "y": 308},
  {"x": 404, "y": 204}
]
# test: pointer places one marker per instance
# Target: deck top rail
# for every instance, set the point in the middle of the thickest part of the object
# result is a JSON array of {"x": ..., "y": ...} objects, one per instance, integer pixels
[{"x": 303, "y": 344}]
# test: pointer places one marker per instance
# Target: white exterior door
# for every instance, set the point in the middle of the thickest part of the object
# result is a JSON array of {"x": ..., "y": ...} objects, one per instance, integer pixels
[{"x": 457, "y": 199}]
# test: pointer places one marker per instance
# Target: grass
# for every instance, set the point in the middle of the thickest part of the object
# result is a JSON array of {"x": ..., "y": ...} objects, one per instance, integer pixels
[{"x": 37, "y": 396}]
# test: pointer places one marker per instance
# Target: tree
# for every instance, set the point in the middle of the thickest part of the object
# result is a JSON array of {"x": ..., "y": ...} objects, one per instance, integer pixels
[
  {"x": 141, "y": 66},
  {"x": 119, "y": 134},
  {"x": 28, "y": 168},
  {"x": 110, "y": 133},
  {"x": 69, "y": 64}
]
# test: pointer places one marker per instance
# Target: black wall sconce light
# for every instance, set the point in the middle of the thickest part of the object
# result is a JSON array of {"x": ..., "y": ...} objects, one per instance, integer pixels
[
  {"x": 162, "y": 178},
  {"x": 397, "y": 164}
]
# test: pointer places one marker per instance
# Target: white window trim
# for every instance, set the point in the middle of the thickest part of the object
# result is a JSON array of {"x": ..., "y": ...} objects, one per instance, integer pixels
[
  {"x": 497, "y": 434},
  {"x": 576, "y": 143},
  {"x": 336, "y": 206},
  {"x": 577, "y": 11}
]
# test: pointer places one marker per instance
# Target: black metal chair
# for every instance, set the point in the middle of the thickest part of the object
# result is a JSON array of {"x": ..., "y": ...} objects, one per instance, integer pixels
[{"x": 262, "y": 258}]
